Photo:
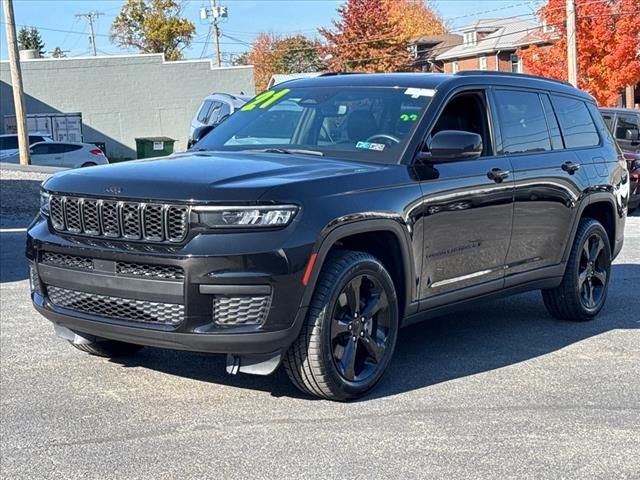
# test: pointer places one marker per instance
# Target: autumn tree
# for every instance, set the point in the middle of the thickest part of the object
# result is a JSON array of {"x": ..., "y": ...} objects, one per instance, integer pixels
[
  {"x": 273, "y": 54},
  {"x": 373, "y": 35},
  {"x": 153, "y": 26},
  {"x": 29, "y": 39},
  {"x": 607, "y": 37}
]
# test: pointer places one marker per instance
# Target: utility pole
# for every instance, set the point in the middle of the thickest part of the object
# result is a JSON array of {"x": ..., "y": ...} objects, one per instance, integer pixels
[
  {"x": 16, "y": 83},
  {"x": 92, "y": 36},
  {"x": 572, "y": 49},
  {"x": 216, "y": 13}
]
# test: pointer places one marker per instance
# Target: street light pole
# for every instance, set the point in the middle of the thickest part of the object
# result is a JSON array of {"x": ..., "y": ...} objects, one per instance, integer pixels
[{"x": 16, "y": 83}]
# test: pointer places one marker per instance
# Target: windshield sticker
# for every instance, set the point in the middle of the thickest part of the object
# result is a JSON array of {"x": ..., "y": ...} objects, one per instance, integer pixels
[
  {"x": 265, "y": 99},
  {"x": 378, "y": 147},
  {"x": 409, "y": 117},
  {"x": 420, "y": 92}
]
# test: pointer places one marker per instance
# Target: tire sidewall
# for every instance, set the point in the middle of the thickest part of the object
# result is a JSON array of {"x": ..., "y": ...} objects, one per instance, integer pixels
[
  {"x": 367, "y": 267},
  {"x": 595, "y": 227}
]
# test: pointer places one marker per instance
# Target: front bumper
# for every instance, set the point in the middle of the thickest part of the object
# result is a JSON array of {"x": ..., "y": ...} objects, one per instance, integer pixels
[{"x": 98, "y": 300}]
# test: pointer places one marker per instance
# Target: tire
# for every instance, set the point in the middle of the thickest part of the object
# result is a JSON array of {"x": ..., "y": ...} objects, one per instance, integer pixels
[
  {"x": 318, "y": 363},
  {"x": 88, "y": 164},
  {"x": 108, "y": 348},
  {"x": 583, "y": 290}
]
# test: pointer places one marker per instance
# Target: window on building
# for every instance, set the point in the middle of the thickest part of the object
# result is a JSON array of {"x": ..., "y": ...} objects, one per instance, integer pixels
[
  {"x": 455, "y": 67},
  {"x": 483, "y": 63},
  {"x": 516, "y": 63},
  {"x": 546, "y": 28},
  {"x": 523, "y": 125},
  {"x": 470, "y": 38},
  {"x": 576, "y": 123}
]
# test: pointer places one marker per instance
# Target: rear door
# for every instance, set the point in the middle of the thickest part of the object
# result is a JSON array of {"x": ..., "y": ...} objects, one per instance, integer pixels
[
  {"x": 73, "y": 155},
  {"x": 549, "y": 182}
]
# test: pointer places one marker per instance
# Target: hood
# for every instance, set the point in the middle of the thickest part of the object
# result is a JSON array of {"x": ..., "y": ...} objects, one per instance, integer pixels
[{"x": 201, "y": 176}]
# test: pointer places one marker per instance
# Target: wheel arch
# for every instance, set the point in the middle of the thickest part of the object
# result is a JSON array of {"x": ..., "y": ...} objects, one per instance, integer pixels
[{"x": 371, "y": 236}]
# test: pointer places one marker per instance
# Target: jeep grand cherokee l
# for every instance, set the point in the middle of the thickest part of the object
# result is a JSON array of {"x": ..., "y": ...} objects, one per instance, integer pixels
[{"x": 327, "y": 213}]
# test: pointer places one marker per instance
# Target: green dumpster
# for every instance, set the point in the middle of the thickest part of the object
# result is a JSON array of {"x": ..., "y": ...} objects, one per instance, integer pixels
[{"x": 147, "y": 147}]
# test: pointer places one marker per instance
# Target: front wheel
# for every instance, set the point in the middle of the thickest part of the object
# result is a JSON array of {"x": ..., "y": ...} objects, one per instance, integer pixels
[
  {"x": 583, "y": 290},
  {"x": 350, "y": 332}
]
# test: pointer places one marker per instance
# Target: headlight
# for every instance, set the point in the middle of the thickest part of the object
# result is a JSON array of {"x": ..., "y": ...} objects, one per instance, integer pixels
[
  {"x": 44, "y": 202},
  {"x": 245, "y": 217}
]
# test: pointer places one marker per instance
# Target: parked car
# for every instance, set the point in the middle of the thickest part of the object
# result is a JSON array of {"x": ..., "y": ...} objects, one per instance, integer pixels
[
  {"x": 624, "y": 124},
  {"x": 64, "y": 154},
  {"x": 214, "y": 109},
  {"x": 9, "y": 143},
  {"x": 388, "y": 199}
]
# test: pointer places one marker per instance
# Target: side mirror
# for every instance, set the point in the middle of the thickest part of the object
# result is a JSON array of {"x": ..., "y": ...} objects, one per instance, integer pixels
[
  {"x": 631, "y": 134},
  {"x": 453, "y": 145},
  {"x": 199, "y": 133}
]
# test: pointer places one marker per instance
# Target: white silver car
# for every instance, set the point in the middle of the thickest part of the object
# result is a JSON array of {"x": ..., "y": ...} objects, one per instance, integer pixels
[
  {"x": 9, "y": 143},
  {"x": 63, "y": 154}
]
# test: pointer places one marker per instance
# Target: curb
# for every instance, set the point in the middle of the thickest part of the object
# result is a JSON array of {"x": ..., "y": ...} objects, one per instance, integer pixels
[{"x": 30, "y": 168}]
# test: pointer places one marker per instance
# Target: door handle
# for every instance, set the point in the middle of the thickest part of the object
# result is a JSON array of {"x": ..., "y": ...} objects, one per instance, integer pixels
[
  {"x": 497, "y": 174},
  {"x": 570, "y": 167}
]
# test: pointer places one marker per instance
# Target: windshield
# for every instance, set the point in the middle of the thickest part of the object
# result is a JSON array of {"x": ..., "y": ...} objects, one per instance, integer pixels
[{"x": 353, "y": 123}]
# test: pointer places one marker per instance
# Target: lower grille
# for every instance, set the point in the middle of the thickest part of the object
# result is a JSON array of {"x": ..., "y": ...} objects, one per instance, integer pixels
[
  {"x": 35, "y": 280},
  {"x": 117, "y": 308},
  {"x": 241, "y": 310},
  {"x": 68, "y": 261}
]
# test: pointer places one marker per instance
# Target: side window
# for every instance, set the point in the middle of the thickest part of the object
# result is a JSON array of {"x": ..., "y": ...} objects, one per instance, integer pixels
[
  {"x": 552, "y": 121},
  {"x": 608, "y": 120},
  {"x": 576, "y": 123},
  {"x": 41, "y": 149},
  {"x": 467, "y": 111},
  {"x": 204, "y": 110},
  {"x": 225, "y": 110},
  {"x": 625, "y": 123},
  {"x": 522, "y": 122},
  {"x": 35, "y": 139},
  {"x": 68, "y": 147},
  {"x": 8, "y": 143},
  {"x": 214, "y": 113}
]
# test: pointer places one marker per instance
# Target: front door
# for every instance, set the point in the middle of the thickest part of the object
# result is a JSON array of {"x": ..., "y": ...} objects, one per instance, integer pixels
[{"x": 466, "y": 211}]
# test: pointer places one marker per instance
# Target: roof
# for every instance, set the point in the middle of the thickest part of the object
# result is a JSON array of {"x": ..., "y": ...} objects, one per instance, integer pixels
[
  {"x": 277, "y": 78},
  {"x": 438, "y": 80},
  {"x": 507, "y": 34},
  {"x": 430, "y": 46}
]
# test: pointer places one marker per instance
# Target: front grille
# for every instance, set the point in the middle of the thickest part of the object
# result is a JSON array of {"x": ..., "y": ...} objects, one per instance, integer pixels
[
  {"x": 247, "y": 310},
  {"x": 152, "y": 271},
  {"x": 67, "y": 261},
  {"x": 129, "y": 269},
  {"x": 153, "y": 222},
  {"x": 117, "y": 308}
]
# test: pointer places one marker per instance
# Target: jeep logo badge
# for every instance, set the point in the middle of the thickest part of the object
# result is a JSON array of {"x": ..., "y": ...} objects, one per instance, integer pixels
[{"x": 114, "y": 189}]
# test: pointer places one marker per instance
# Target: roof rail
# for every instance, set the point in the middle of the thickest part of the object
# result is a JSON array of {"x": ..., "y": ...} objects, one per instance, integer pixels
[
  {"x": 333, "y": 74},
  {"x": 467, "y": 73}
]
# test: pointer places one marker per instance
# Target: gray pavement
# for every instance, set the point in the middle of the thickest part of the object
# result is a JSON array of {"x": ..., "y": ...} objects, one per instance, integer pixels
[{"x": 499, "y": 391}]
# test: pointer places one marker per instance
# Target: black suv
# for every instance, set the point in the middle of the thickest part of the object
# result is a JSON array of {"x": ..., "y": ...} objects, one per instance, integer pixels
[{"x": 329, "y": 212}]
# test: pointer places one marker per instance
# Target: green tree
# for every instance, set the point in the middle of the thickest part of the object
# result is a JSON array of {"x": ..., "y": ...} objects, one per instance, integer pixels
[
  {"x": 153, "y": 26},
  {"x": 29, "y": 39}
]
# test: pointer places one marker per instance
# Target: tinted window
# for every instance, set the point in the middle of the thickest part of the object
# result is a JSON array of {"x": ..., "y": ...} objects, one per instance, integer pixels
[
  {"x": 225, "y": 110},
  {"x": 8, "y": 143},
  {"x": 522, "y": 122},
  {"x": 204, "y": 110},
  {"x": 67, "y": 147},
  {"x": 625, "y": 122},
  {"x": 42, "y": 149},
  {"x": 577, "y": 125},
  {"x": 35, "y": 139},
  {"x": 608, "y": 120},
  {"x": 214, "y": 113},
  {"x": 552, "y": 121}
]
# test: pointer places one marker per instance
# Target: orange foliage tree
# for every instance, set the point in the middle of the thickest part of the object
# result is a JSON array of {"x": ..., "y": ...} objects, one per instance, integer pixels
[
  {"x": 373, "y": 35},
  {"x": 608, "y": 39},
  {"x": 271, "y": 54}
]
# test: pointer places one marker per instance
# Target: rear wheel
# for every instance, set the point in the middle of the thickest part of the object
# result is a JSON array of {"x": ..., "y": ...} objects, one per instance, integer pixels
[
  {"x": 583, "y": 290},
  {"x": 108, "y": 348},
  {"x": 350, "y": 331}
]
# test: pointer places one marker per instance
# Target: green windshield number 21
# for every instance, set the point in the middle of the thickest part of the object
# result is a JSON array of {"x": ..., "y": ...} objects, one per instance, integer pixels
[{"x": 265, "y": 99}]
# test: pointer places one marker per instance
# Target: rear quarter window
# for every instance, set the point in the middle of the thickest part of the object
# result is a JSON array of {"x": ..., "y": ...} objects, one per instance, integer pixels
[{"x": 578, "y": 128}]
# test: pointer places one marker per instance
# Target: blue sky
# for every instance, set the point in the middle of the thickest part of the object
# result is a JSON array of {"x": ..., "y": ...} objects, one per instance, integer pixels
[{"x": 59, "y": 27}]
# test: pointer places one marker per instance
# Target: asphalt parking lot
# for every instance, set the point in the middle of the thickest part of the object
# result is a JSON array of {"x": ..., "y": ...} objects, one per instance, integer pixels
[{"x": 500, "y": 391}]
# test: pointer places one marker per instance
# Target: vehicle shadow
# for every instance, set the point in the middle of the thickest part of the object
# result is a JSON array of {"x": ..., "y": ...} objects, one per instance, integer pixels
[{"x": 486, "y": 337}]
